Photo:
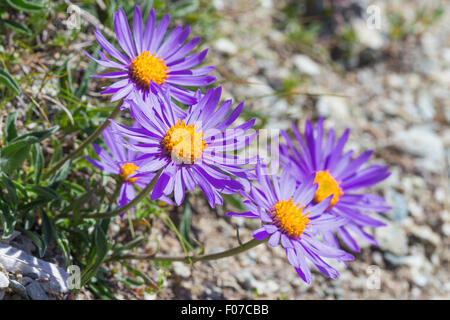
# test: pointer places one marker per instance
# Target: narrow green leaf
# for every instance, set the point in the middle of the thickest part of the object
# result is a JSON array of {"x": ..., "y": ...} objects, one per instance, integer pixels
[
  {"x": 8, "y": 80},
  {"x": 63, "y": 244},
  {"x": 26, "y": 6},
  {"x": 7, "y": 220},
  {"x": 60, "y": 175},
  {"x": 37, "y": 240},
  {"x": 185, "y": 223},
  {"x": 10, "y": 130},
  {"x": 47, "y": 228},
  {"x": 38, "y": 162},
  {"x": 11, "y": 196},
  {"x": 19, "y": 27},
  {"x": 37, "y": 136},
  {"x": 46, "y": 192},
  {"x": 13, "y": 155}
]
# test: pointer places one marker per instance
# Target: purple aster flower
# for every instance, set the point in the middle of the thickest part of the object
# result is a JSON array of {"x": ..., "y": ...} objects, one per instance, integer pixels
[
  {"x": 290, "y": 217},
  {"x": 340, "y": 175},
  {"x": 190, "y": 148},
  {"x": 147, "y": 60},
  {"x": 123, "y": 163}
]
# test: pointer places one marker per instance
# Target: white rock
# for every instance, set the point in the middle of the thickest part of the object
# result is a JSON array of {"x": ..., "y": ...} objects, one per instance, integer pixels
[
  {"x": 446, "y": 229},
  {"x": 181, "y": 269},
  {"x": 396, "y": 81},
  {"x": 334, "y": 107},
  {"x": 419, "y": 279},
  {"x": 425, "y": 105},
  {"x": 306, "y": 65},
  {"x": 4, "y": 281},
  {"x": 369, "y": 37},
  {"x": 425, "y": 233},
  {"x": 226, "y": 46},
  {"x": 392, "y": 238}
]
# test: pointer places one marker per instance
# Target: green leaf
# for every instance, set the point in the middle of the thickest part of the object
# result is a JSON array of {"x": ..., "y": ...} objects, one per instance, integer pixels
[
  {"x": 10, "y": 130},
  {"x": 63, "y": 244},
  {"x": 47, "y": 228},
  {"x": 57, "y": 154},
  {"x": 38, "y": 162},
  {"x": 16, "y": 151},
  {"x": 101, "y": 249},
  {"x": 101, "y": 243},
  {"x": 7, "y": 220},
  {"x": 9, "y": 197},
  {"x": 37, "y": 136},
  {"x": 8, "y": 80},
  {"x": 46, "y": 192},
  {"x": 60, "y": 175},
  {"x": 185, "y": 223},
  {"x": 37, "y": 240},
  {"x": 19, "y": 27},
  {"x": 26, "y": 6},
  {"x": 13, "y": 155}
]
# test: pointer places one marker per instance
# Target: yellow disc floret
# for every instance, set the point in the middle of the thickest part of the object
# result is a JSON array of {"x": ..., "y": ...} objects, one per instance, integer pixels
[
  {"x": 184, "y": 142},
  {"x": 146, "y": 68},
  {"x": 127, "y": 169},
  {"x": 289, "y": 218},
  {"x": 327, "y": 186}
]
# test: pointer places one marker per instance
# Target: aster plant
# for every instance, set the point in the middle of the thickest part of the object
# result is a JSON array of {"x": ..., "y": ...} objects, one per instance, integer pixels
[
  {"x": 122, "y": 163},
  {"x": 149, "y": 60},
  {"x": 189, "y": 149},
  {"x": 339, "y": 175},
  {"x": 290, "y": 218}
]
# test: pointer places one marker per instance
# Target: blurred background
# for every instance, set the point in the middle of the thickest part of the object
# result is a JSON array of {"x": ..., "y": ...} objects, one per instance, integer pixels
[{"x": 380, "y": 68}]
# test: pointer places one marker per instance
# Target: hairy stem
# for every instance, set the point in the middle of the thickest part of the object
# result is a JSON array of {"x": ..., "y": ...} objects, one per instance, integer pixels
[
  {"x": 124, "y": 208},
  {"x": 191, "y": 259},
  {"x": 85, "y": 143}
]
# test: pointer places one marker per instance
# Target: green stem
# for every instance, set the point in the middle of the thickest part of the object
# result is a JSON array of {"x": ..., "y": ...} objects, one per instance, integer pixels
[
  {"x": 191, "y": 259},
  {"x": 85, "y": 143},
  {"x": 129, "y": 205}
]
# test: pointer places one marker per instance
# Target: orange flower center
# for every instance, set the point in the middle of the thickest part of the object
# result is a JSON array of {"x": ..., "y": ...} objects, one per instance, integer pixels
[
  {"x": 184, "y": 142},
  {"x": 290, "y": 218},
  {"x": 146, "y": 68},
  {"x": 127, "y": 169},
  {"x": 327, "y": 186}
]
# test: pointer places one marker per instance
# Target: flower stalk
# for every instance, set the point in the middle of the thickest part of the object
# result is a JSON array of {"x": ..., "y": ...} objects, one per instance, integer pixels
[
  {"x": 191, "y": 259},
  {"x": 120, "y": 210}
]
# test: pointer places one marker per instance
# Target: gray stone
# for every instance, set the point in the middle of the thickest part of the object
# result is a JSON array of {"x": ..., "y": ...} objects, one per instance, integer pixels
[
  {"x": 392, "y": 238},
  {"x": 181, "y": 269},
  {"x": 425, "y": 233},
  {"x": 18, "y": 288},
  {"x": 424, "y": 143},
  {"x": 306, "y": 65},
  {"x": 245, "y": 279},
  {"x": 18, "y": 261},
  {"x": 335, "y": 106},
  {"x": 36, "y": 292},
  {"x": 425, "y": 105},
  {"x": 400, "y": 209},
  {"x": 225, "y": 46},
  {"x": 446, "y": 229}
]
